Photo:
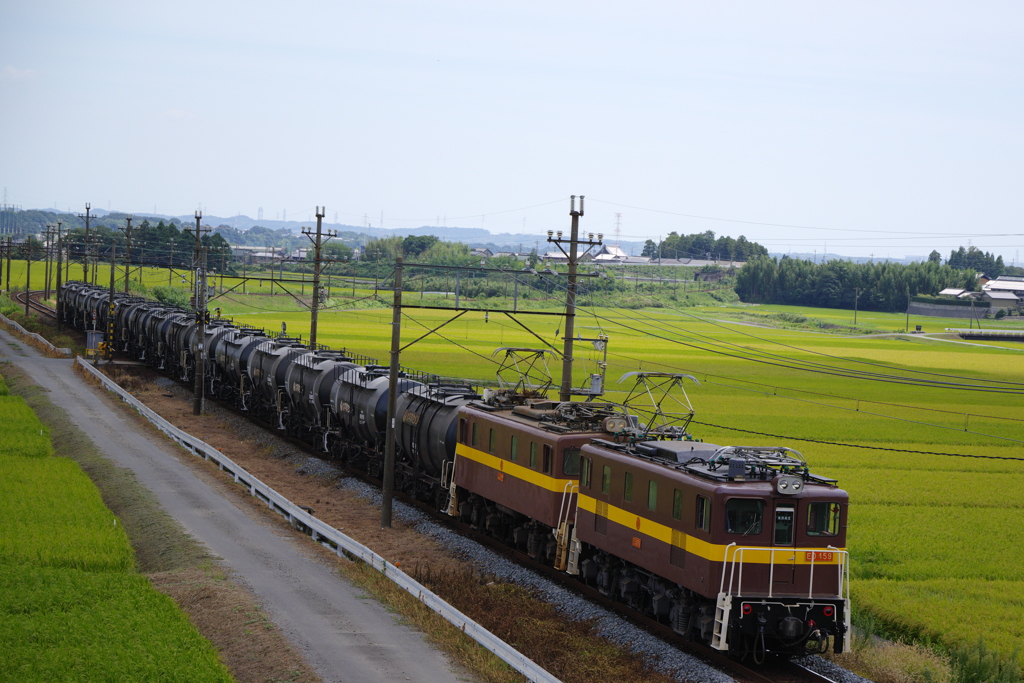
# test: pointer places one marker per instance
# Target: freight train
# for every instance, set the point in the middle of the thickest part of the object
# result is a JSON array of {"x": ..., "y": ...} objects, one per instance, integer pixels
[{"x": 740, "y": 547}]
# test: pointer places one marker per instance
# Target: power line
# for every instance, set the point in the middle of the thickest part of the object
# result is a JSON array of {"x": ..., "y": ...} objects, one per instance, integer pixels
[{"x": 803, "y": 227}]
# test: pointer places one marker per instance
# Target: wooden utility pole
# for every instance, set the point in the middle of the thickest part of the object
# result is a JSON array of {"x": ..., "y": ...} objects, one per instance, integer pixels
[
  {"x": 85, "y": 259},
  {"x": 388, "y": 489},
  {"x": 565, "y": 391},
  {"x": 170, "y": 265},
  {"x": 318, "y": 243},
  {"x": 128, "y": 253}
]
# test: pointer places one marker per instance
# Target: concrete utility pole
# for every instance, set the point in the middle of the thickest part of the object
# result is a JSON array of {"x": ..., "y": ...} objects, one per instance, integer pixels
[
  {"x": 197, "y": 235},
  {"x": 60, "y": 280},
  {"x": 565, "y": 391},
  {"x": 28, "y": 275},
  {"x": 321, "y": 239},
  {"x": 10, "y": 247},
  {"x": 199, "y": 303},
  {"x": 128, "y": 253},
  {"x": 201, "y": 315},
  {"x": 388, "y": 489},
  {"x": 110, "y": 308},
  {"x": 48, "y": 237},
  {"x": 85, "y": 259}
]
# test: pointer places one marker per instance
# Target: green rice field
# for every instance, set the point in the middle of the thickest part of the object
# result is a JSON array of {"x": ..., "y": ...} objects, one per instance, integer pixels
[
  {"x": 935, "y": 469},
  {"x": 935, "y": 473},
  {"x": 72, "y": 605}
]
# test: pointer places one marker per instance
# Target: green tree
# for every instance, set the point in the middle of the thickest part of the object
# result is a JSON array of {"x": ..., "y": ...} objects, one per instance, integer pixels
[{"x": 414, "y": 245}]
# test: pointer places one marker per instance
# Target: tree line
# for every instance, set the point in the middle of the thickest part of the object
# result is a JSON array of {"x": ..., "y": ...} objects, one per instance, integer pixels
[
  {"x": 703, "y": 245},
  {"x": 881, "y": 286}
]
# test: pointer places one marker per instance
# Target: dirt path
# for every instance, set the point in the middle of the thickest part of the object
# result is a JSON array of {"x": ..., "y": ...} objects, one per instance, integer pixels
[{"x": 341, "y": 633}]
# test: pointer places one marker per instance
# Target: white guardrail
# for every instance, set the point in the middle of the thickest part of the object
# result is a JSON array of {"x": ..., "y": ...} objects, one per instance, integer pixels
[
  {"x": 330, "y": 537},
  {"x": 38, "y": 337}
]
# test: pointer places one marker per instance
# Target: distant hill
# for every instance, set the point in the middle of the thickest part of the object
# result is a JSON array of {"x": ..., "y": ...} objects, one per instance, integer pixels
[{"x": 288, "y": 233}]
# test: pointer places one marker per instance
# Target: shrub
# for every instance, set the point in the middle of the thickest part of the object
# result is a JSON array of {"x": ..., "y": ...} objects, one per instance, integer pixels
[{"x": 172, "y": 296}]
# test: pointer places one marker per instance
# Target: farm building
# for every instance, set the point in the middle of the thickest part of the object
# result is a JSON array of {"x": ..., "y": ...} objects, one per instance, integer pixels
[
  {"x": 1000, "y": 299},
  {"x": 1005, "y": 283}
]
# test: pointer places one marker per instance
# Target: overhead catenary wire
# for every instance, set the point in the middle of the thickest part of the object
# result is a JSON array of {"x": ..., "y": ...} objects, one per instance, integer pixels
[
  {"x": 781, "y": 361},
  {"x": 857, "y": 445}
]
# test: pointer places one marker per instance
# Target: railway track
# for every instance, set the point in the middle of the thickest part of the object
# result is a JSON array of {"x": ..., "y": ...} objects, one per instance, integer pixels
[
  {"x": 770, "y": 672},
  {"x": 34, "y": 304}
]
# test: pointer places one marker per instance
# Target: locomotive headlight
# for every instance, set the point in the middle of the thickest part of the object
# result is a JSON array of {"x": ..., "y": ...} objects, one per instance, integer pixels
[{"x": 788, "y": 484}]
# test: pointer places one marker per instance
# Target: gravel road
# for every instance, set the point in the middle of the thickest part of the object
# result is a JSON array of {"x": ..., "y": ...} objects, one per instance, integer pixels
[{"x": 341, "y": 633}]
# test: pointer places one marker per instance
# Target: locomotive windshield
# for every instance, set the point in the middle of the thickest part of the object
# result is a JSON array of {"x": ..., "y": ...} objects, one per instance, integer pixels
[
  {"x": 743, "y": 516},
  {"x": 571, "y": 462},
  {"x": 823, "y": 519}
]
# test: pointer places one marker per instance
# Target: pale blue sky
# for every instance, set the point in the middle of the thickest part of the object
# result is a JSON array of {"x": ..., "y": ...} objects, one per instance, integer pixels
[{"x": 871, "y": 119}]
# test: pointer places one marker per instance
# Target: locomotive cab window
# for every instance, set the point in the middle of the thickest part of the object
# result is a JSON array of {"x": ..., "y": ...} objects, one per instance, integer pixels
[
  {"x": 475, "y": 430},
  {"x": 652, "y": 495},
  {"x": 627, "y": 487},
  {"x": 823, "y": 519},
  {"x": 571, "y": 462},
  {"x": 492, "y": 441},
  {"x": 586, "y": 464},
  {"x": 463, "y": 431},
  {"x": 547, "y": 458},
  {"x": 677, "y": 504},
  {"x": 533, "y": 456},
  {"x": 513, "y": 451},
  {"x": 606, "y": 479},
  {"x": 743, "y": 516}
]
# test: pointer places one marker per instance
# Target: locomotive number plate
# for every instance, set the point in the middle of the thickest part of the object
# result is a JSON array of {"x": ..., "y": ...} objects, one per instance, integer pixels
[{"x": 818, "y": 556}]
